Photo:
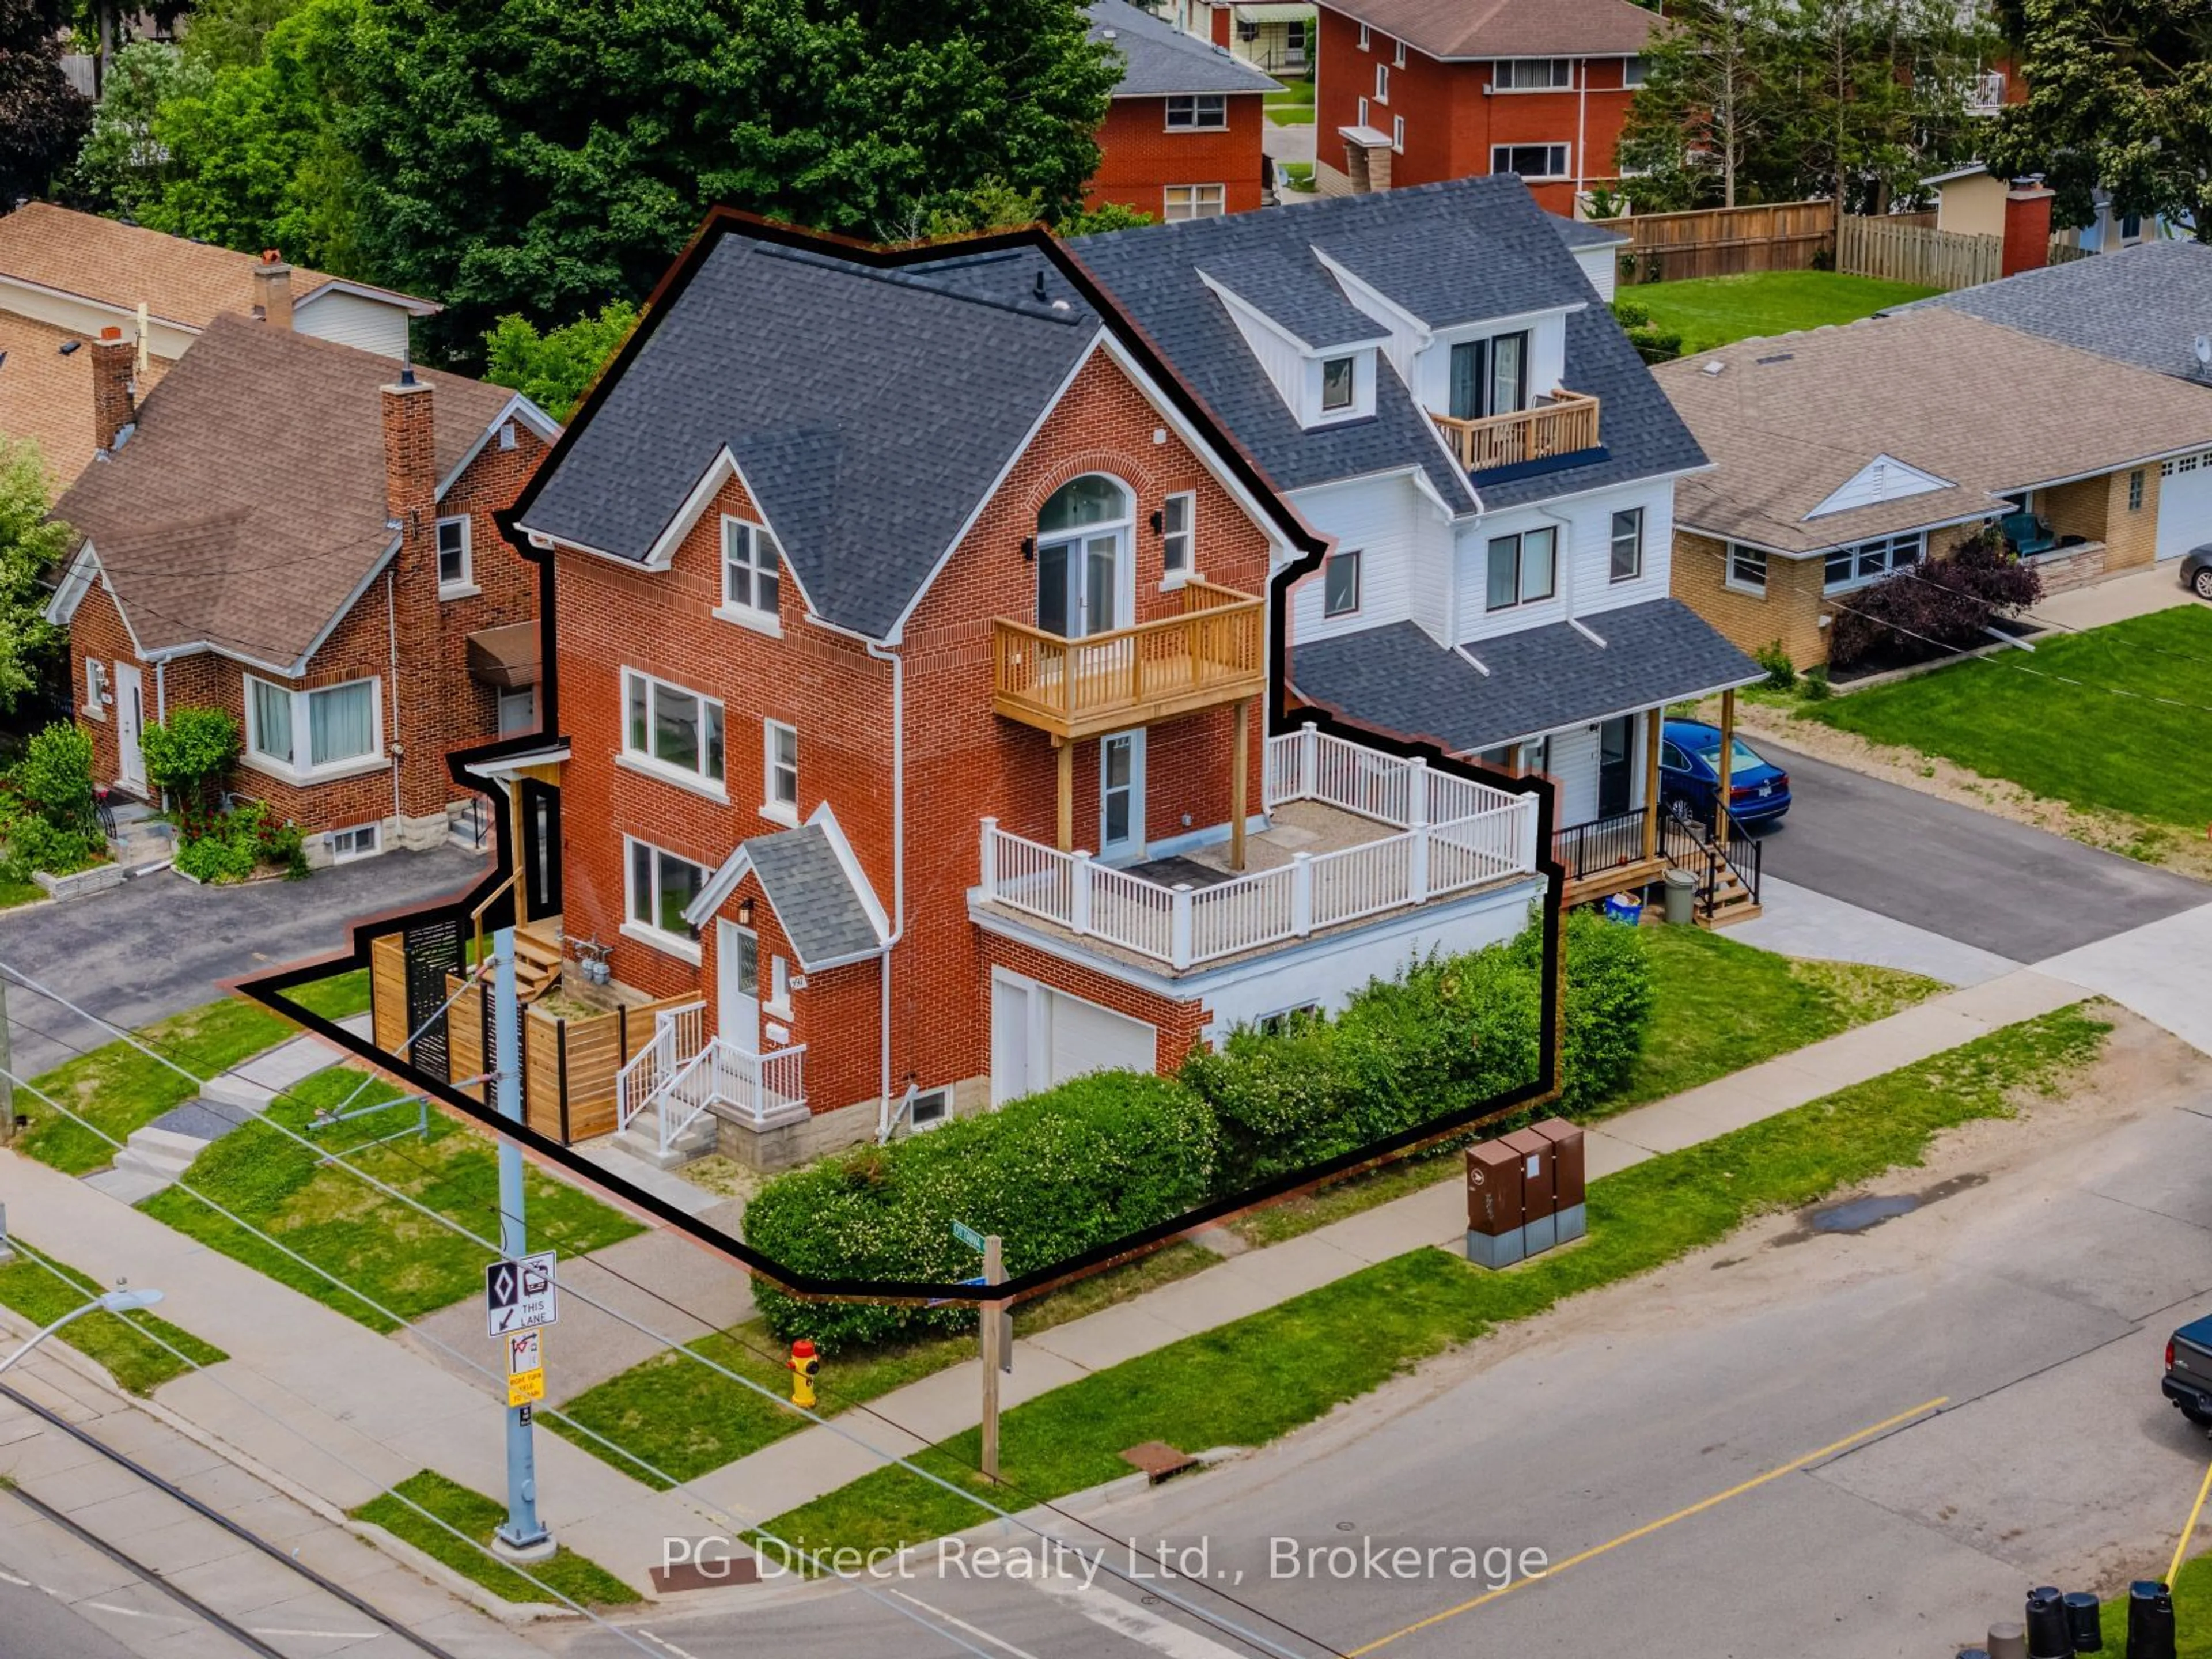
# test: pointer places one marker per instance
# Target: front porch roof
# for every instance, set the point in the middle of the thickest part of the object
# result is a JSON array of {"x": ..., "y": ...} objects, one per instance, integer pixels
[
  {"x": 1540, "y": 679},
  {"x": 818, "y": 895}
]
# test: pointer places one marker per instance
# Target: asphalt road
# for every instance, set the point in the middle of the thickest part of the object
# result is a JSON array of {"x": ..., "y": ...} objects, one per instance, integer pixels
[
  {"x": 35, "y": 1625},
  {"x": 1970, "y": 876},
  {"x": 1739, "y": 1455},
  {"x": 160, "y": 944}
]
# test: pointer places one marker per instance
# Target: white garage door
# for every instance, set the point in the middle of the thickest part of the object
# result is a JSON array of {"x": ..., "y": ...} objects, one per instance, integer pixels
[
  {"x": 1040, "y": 1036},
  {"x": 2185, "y": 504}
]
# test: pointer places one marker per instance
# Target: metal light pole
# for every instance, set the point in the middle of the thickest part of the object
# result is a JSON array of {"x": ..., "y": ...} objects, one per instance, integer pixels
[
  {"x": 114, "y": 1301},
  {"x": 523, "y": 1537}
]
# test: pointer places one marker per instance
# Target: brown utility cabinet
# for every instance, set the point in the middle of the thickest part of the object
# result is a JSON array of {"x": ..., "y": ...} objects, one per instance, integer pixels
[
  {"x": 1494, "y": 1234},
  {"x": 1539, "y": 1187},
  {"x": 1568, "y": 1205}
]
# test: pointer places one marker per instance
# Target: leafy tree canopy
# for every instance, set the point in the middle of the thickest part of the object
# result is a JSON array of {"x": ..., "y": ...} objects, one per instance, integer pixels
[
  {"x": 42, "y": 117},
  {"x": 123, "y": 166},
  {"x": 554, "y": 369},
  {"x": 31, "y": 547}
]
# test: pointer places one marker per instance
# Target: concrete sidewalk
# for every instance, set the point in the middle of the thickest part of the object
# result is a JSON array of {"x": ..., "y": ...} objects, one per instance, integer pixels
[{"x": 805, "y": 1466}]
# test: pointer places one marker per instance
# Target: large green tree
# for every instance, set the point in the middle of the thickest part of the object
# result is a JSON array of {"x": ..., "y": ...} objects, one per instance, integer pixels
[
  {"x": 42, "y": 117},
  {"x": 2119, "y": 97},
  {"x": 31, "y": 549},
  {"x": 123, "y": 167}
]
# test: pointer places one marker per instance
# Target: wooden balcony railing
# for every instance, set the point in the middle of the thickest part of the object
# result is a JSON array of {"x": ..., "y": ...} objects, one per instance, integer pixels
[
  {"x": 1564, "y": 423},
  {"x": 1214, "y": 653}
]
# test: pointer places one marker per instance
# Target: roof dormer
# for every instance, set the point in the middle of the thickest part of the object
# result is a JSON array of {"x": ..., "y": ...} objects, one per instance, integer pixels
[{"x": 1318, "y": 349}]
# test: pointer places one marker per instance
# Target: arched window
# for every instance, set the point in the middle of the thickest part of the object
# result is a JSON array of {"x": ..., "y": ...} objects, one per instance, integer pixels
[{"x": 1082, "y": 557}]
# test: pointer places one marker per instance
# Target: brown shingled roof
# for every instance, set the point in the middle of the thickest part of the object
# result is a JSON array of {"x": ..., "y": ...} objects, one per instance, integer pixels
[
  {"x": 180, "y": 280},
  {"x": 1509, "y": 28},
  {"x": 248, "y": 507},
  {"x": 46, "y": 396}
]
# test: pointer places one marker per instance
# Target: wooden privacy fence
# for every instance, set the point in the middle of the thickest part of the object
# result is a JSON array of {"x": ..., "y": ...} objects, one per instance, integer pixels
[
  {"x": 1728, "y": 241},
  {"x": 1900, "y": 251},
  {"x": 569, "y": 1059}
]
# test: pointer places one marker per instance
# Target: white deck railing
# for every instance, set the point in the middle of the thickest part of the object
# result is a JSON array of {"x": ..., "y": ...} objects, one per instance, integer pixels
[
  {"x": 681, "y": 1072},
  {"x": 678, "y": 1036},
  {"x": 1452, "y": 835}
]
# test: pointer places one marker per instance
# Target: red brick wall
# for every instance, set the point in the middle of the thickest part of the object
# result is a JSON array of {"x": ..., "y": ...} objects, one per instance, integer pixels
[
  {"x": 97, "y": 632},
  {"x": 1138, "y": 157}
]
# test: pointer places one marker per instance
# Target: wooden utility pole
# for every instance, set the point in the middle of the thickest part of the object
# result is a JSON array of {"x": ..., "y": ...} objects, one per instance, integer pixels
[
  {"x": 994, "y": 1355},
  {"x": 1727, "y": 768}
]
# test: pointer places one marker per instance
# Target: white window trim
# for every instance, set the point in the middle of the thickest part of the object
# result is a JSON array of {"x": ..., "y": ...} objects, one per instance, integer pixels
[
  {"x": 1364, "y": 37},
  {"x": 95, "y": 688},
  {"x": 1497, "y": 76},
  {"x": 1566, "y": 159},
  {"x": 1176, "y": 576},
  {"x": 1358, "y": 583},
  {"x": 1890, "y": 567},
  {"x": 1612, "y": 576},
  {"x": 1728, "y": 570},
  {"x": 777, "y": 1002},
  {"x": 1169, "y": 125},
  {"x": 923, "y": 1126},
  {"x": 645, "y": 761},
  {"x": 1364, "y": 121},
  {"x": 728, "y": 610},
  {"x": 684, "y": 949},
  {"x": 1166, "y": 191},
  {"x": 783, "y": 812},
  {"x": 1382, "y": 85},
  {"x": 253, "y": 757},
  {"x": 466, "y": 587},
  {"x": 1398, "y": 134},
  {"x": 374, "y": 831},
  {"x": 1398, "y": 54}
]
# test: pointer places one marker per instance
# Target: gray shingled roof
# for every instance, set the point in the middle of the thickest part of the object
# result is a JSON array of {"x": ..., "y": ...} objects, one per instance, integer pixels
[
  {"x": 868, "y": 411},
  {"x": 1590, "y": 233},
  {"x": 1541, "y": 679},
  {"x": 1505, "y": 255},
  {"x": 1160, "y": 58},
  {"x": 1296, "y": 293},
  {"x": 821, "y": 914},
  {"x": 2144, "y": 304}
]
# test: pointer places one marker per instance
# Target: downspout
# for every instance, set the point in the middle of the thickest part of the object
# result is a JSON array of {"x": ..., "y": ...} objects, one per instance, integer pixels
[
  {"x": 391, "y": 643},
  {"x": 898, "y": 865},
  {"x": 1582, "y": 130}
]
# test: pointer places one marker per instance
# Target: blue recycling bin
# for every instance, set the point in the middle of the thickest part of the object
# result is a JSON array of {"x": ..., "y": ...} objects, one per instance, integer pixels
[{"x": 1625, "y": 906}]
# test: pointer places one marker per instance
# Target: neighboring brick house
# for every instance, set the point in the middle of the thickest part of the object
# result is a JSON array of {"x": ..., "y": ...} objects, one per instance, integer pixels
[
  {"x": 1845, "y": 454},
  {"x": 1413, "y": 92},
  {"x": 1182, "y": 137},
  {"x": 911, "y": 638},
  {"x": 301, "y": 533},
  {"x": 1268, "y": 34},
  {"x": 66, "y": 276}
]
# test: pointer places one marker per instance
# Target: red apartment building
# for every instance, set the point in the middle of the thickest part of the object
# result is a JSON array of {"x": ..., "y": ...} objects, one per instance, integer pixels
[
  {"x": 301, "y": 533},
  {"x": 1413, "y": 92},
  {"x": 1182, "y": 137},
  {"x": 912, "y": 638}
]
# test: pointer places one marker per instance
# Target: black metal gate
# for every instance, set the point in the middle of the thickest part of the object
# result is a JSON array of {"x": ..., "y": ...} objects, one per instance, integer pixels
[{"x": 434, "y": 950}]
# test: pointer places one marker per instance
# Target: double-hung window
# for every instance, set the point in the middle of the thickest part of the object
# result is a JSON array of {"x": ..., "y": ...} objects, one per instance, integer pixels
[
  {"x": 95, "y": 688},
  {"x": 661, "y": 889},
  {"x": 1534, "y": 74},
  {"x": 1746, "y": 569},
  {"x": 1192, "y": 202},
  {"x": 1198, "y": 111},
  {"x": 1382, "y": 83},
  {"x": 1628, "y": 544},
  {"x": 1869, "y": 561},
  {"x": 752, "y": 574},
  {"x": 1530, "y": 161},
  {"x": 672, "y": 730},
  {"x": 780, "y": 771},
  {"x": 454, "y": 562},
  {"x": 1339, "y": 583},
  {"x": 1177, "y": 530},
  {"x": 303, "y": 733},
  {"x": 1524, "y": 568}
]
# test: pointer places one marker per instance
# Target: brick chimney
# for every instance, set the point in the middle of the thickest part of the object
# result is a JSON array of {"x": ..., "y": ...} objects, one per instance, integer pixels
[
  {"x": 410, "y": 497},
  {"x": 114, "y": 395},
  {"x": 2027, "y": 225},
  {"x": 410, "y": 459},
  {"x": 272, "y": 289}
]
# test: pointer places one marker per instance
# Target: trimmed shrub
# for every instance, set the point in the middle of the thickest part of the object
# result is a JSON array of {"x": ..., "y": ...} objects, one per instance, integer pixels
[
  {"x": 1094, "y": 1160},
  {"x": 1610, "y": 1001},
  {"x": 231, "y": 845},
  {"x": 189, "y": 757},
  {"x": 54, "y": 777},
  {"x": 1781, "y": 672}
]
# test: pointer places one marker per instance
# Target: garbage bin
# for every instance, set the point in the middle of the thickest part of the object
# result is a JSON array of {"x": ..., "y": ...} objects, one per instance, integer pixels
[
  {"x": 1681, "y": 897},
  {"x": 1625, "y": 906}
]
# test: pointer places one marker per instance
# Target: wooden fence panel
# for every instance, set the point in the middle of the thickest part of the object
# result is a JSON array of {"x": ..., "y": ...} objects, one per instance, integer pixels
[
  {"x": 571, "y": 1063},
  {"x": 1899, "y": 252},
  {"x": 465, "y": 1034},
  {"x": 387, "y": 992},
  {"x": 1728, "y": 241}
]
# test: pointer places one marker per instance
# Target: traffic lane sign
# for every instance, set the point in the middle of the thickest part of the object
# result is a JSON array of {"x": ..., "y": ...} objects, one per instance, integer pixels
[
  {"x": 524, "y": 1353},
  {"x": 520, "y": 1294}
]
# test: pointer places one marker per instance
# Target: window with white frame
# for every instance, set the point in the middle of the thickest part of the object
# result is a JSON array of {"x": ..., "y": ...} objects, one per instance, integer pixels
[
  {"x": 307, "y": 733},
  {"x": 1285, "y": 1020},
  {"x": 1746, "y": 569},
  {"x": 1382, "y": 83},
  {"x": 1523, "y": 759},
  {"x": 661, "y": 889},
  {"x": 363, "y": 841},
  {"x": 1198, "y": 111},
  {"x": 1178, "y": 515},
  {"x": 752, "y": 572},
  {"x": 671, "y": 729},
  {"x": 1363, "y": 37},
  {"x": 95, "y": 688},
  {"x": 1339, "y": 384},
  {"x": 1524, "y": 568},
  {"x": 1363, "y": 113},
  {"x": 1530, "y": 161},
  {"x": 1398, "y": 133},
  {"x": 454, "y": 562},
  {"x": 779, "y": 986},
  {"x": 1869, "y": 561},
  {"x": 1628, "y": 544},
  {"x": 1339, "y": 583},
  {"x": 1398, "y": 53},
  {"x": 930, "y": 1108},
  {"x": 1533, "y": 74},
  {"x": 1192, "y": 202},
  {"x": 779, "y": 770},
  {"x": 1634, "y": 72}
]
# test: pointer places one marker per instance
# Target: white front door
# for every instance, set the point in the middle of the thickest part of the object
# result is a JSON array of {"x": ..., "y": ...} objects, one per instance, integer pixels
[
  {"x": 737, "y": 983},
  {"x": 129, "y": 721},
  {"x": 1121, "y": 796}
]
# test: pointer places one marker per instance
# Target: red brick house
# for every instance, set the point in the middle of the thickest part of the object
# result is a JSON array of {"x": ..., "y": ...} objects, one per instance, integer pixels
[
  {"x": 300, "y": 532},
  {"x": 1412, "y": 92},
  {"x": 913, "y": 669},
  {"x": 1182, "y": 137}
]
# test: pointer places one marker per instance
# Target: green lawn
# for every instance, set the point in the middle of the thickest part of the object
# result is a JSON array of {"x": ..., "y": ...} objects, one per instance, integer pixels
[
  {"x": 2192, "y": 1610},
  {"x": 1250, "y": 1382},
  {"x": 340, "y": 997},
  {"x": 1711, "y": 310},
  {"x": 1292, "y": 105},
  {"x": 392, "y": 1253},
  {"x": 120, "y": 1089},
  {"x": 13, "y": 893},
  {"x": 577, "y": 1578},
  {"x": 2077, "y": 742},
  {"x": 42, "y": 1289}
]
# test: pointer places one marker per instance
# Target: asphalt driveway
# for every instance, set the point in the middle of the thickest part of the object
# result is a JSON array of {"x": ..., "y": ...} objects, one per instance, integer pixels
[
  {"x": 1970, "y": 876},
  {"x": 160, "y": 944}
]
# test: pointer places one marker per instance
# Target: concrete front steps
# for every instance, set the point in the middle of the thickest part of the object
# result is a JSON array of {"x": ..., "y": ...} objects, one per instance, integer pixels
[
  {"x": 641, "y": 1139},
  {"x": 155, "y": 1156}
]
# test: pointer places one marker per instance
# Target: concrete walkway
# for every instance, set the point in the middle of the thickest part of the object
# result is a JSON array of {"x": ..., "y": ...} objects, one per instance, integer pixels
[
  {"x": 1799, "y": 922},
  {"x": 805, "y": 1466},
  {"x": 2137, "y": 593}
]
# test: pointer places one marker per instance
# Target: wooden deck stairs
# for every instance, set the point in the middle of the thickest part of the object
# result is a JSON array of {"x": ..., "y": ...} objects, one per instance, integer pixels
[{"x": 537, "y": 957}]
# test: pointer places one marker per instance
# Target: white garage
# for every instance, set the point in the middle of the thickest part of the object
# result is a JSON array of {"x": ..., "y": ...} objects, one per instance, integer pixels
[
  {"x": 1040, "y": 1036},
  {"x": 2185, "y": 504}
]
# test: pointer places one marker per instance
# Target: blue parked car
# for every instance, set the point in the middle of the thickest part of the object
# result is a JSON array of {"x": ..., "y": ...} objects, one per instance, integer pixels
[{"x": 1690, "y": 776}]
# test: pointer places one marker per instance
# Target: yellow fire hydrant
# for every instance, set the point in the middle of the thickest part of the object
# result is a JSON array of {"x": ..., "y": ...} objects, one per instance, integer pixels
[{"x": 803, "y": 1366}]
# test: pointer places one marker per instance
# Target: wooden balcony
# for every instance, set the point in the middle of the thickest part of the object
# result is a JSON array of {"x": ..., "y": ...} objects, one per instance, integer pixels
[
  {"x": 1214, "y": 653},
  {"x": 1564, "y": 423}
]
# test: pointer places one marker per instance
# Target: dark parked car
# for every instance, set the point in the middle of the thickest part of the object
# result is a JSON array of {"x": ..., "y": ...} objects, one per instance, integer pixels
[
  {"x": 2196, "y": 571},
  {"x": 1690, "y": 776},
  {"x": 2188, "y": 1383}
]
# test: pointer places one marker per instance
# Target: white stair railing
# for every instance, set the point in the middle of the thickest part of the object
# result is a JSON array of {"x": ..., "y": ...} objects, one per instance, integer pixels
[{"x": 677, "y": 1040}]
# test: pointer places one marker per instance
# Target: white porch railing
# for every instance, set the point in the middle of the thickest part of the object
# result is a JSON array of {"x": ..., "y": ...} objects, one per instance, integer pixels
[
  {"x": 756, "y": 1087},
  {"x": 678, "y": 1035},
  {"x": 1453, "y": 835}
]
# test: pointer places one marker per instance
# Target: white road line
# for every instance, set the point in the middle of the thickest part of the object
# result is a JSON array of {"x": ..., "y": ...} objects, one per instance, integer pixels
[
  {"x": 963, "y": 1624},
  {"x": 323, "y": 1635},
  {"x": 1128, "y": 1619},
  {"x": 127, "y": 1613}
]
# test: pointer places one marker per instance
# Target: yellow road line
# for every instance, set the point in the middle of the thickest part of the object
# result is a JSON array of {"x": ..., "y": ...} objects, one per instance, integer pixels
[
  {"x": 2188, "y": 1531},
  {"x": 1697, "y": 1507}
]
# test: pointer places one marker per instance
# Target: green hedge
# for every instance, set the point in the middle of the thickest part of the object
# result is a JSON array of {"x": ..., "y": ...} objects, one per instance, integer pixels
[
  {"x": 1093, "y": 1160},
  {"x": 1609, "y": 1002}
]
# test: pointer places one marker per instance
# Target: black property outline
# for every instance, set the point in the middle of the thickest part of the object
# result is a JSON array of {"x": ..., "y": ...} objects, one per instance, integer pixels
[{"x": 269, "y": 988}]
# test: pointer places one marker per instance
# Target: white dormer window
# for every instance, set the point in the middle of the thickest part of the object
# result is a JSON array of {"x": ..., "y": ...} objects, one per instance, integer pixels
[
  {"x": 1339, "y": 384},
  {"x": 1339, "y": 387},
  {"x": 753, "y": 576}
]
